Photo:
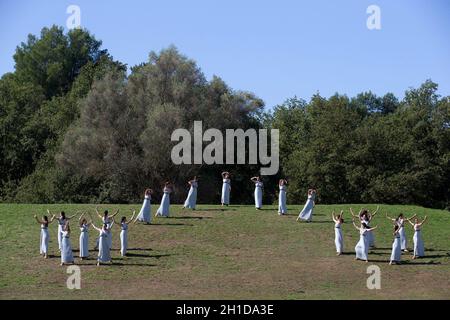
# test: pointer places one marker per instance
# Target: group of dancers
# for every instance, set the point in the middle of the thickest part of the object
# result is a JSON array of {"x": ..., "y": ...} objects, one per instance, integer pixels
[
  {"x": 104, "y": 241},
  {"x": 367, "y": 238}
]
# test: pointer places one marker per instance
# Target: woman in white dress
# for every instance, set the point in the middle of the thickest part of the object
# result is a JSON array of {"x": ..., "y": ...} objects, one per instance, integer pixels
[
  {"x": 259, "y": 187},
  {"x": 84, "y": 236},
  {"x": 66, "y": 246},
  {"x": 62, "y": 219},
  {"x": 362, "y": 247},
  {"x": 226, "y": 188},
  {"x": 191, "y": 199},
  {"x": 282, "y": 209},
  {"x": 338, "y": 238},
  {"x": 366, "y": 217},
  {"x": 104, "y": 250},
  {"x": 164, "y": 207},
  {"x": 145, "y": 215},
  {"x": 307, "y": 212},
  {"x": 400, "y": 221},
  {"x": 124, "y": 234},
  {"x": 109, "y": 220},
  {"x": 419, "y": 249},
  {"x": 45, "y": 237},
  {"x": 396, "y": 254}
]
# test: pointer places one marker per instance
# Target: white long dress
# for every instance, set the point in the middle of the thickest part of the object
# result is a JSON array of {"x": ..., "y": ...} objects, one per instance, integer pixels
[
  {"x": 104, "y": 254},
  {"x": 109, "y": 222},
  {"x": 123, "y": 239},
  {"x": 282, "y": 209},
  {"x": 258, "y": 194},
  {"x": 307, "y": 212},
  {"x": 164, "y": 207},
  {"x": 396, "y": 254},
  {"x": 226, "y": 188},
  {"x": 61, "y": 223},
  {"x": 370, "y": 235},
  {"x": 362, "y": 247},
  {"x": 402, "y": 233},
  {"x": 66, "y": 248},
  {"x": 45, "y": 237},
  {"x": 145, "y": 215},
  {"x": 419, "y": 250},
  {"x": 338, "y": 238},
  {"x": 191, "y": 199},
  {"x": 84, "y": 241}
]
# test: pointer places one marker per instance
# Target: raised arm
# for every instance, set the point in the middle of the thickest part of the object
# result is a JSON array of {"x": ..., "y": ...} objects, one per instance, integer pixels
[
  {"x": 115, "y": 213},
  {"x": 392, "y": 219},
  {"x": 52, "y": 219},
  {"x": 353, "y": 214},
  {"x": 73, "y": 216},
  {"x": 415, "y": 215},
  {"x": 37, "y": 219},
  {"x": 372, "y": 228},
  {"x": 423, "y": 221},
  {"x": 356, "y": 227},
  {"x": 333, "y": 217},
  {"x": 98, "y": 213},
  {"x": 132, "y": 217},
  {"x": 376, "y": 211},
  {"x": 81, "y": 216},
  {"x": 95, "y": 227}
]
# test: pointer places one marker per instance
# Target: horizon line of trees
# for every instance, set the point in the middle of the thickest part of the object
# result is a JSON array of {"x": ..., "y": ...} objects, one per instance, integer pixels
[{"x": 75, "y": 127}]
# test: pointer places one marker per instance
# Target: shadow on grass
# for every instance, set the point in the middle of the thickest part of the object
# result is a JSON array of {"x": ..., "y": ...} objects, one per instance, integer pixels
[
  {"x": 190, "y": 217},
  {"x": 136, "y": 255},
  {"x": 172, "y": 224},
  {"x": 216, "y": 210},
  {"x": 423, "y": 263}
]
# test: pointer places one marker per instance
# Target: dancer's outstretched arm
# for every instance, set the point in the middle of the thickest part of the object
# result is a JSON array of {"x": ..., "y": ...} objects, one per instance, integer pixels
[
  {"x": 37, "y": 219},
  {"x": 115, "y": 213}
]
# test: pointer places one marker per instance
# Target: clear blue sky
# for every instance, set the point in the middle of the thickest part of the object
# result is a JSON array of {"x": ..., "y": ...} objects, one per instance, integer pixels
[{"x": 276, "y": 49}]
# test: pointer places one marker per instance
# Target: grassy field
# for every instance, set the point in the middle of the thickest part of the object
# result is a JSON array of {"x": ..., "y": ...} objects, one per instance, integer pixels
[{"x": 235, "y": 253}]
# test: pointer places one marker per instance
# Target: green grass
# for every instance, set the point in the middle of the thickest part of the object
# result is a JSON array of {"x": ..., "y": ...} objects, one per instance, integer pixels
[{"x": 236, "y": 253}]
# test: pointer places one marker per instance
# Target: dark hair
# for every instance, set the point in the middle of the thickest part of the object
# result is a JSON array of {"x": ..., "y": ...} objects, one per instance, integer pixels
[
  {"x": 396, "y": 227},
  {"x": 63, "y": 214},
  {"x": 45, "y": 218},
  {"x": 105, "y": 225},
  {"x": 400, "y": 215},
  {"x": 105, "y": 213},
  {"x": 123, "y": 219},
  {"x": 364, "y": 225}
]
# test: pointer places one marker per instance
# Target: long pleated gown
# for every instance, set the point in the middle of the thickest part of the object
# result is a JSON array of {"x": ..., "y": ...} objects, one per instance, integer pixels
[
  {"x": 226, "y": 188},
  {"x": 104, "y": 254},
  {"x": 396, "y": 254},
  {"x": 84, "y": 241},
  {"x": 191, "y": 200},
  {"x": 66, "y": 248},
  {"x": 145, "y": 215},
  {"x": 123, "y": 239},
  {"x": 45, "y": 237},
  {"x": 258, "y": 194},
  {"x": 307, "y": 212},
  {"x": 419, "y": 250},
  {"x": 282, "y": 209},
  {"x": 338, "y": 238},
  {"x": 164, "y": 207},
  {"x": 362, "y": 247}
]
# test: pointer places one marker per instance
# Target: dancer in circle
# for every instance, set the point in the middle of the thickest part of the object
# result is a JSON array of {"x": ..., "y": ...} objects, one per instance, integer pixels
[
  {"x": 282, "y": 209},
  {"x": 66, "y": 246},
  {"x": 338, "y": 238},
  {"x": 104, "y": 250},
  {"x": 84, "y": 236},
  {"x": 419, "y": 249},
  {"x": 62, "y": 219},
  {"x": 259, "y": 187},
  {"x": 226, "y": 188},
  {"x": 45, "y": 237},
  {"x": 400, "y": 221},
  {"x": 362, "y": 247},
  {"x": 307, "y": 212},
  {"x": 109, "y": 220},
  {"x": 366, "y": 217},
  {"x": 191, "y": 200},
  {"x": 145, "y": 215},
  {"x": 124, "y": 234},
  {"x": 396, "y": 254},
  {"x": 164, "y": 207}
]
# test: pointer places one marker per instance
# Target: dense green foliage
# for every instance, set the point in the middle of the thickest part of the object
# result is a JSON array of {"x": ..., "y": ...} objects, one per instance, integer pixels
[{"x": 76, "y": 127}]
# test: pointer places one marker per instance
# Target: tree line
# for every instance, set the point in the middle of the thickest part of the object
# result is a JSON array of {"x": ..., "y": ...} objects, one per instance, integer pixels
[{"x": 76, "y": 127}]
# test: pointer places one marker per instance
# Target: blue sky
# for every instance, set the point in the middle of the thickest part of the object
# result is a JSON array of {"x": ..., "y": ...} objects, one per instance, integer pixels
[{"x": 276, "y": 49}]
